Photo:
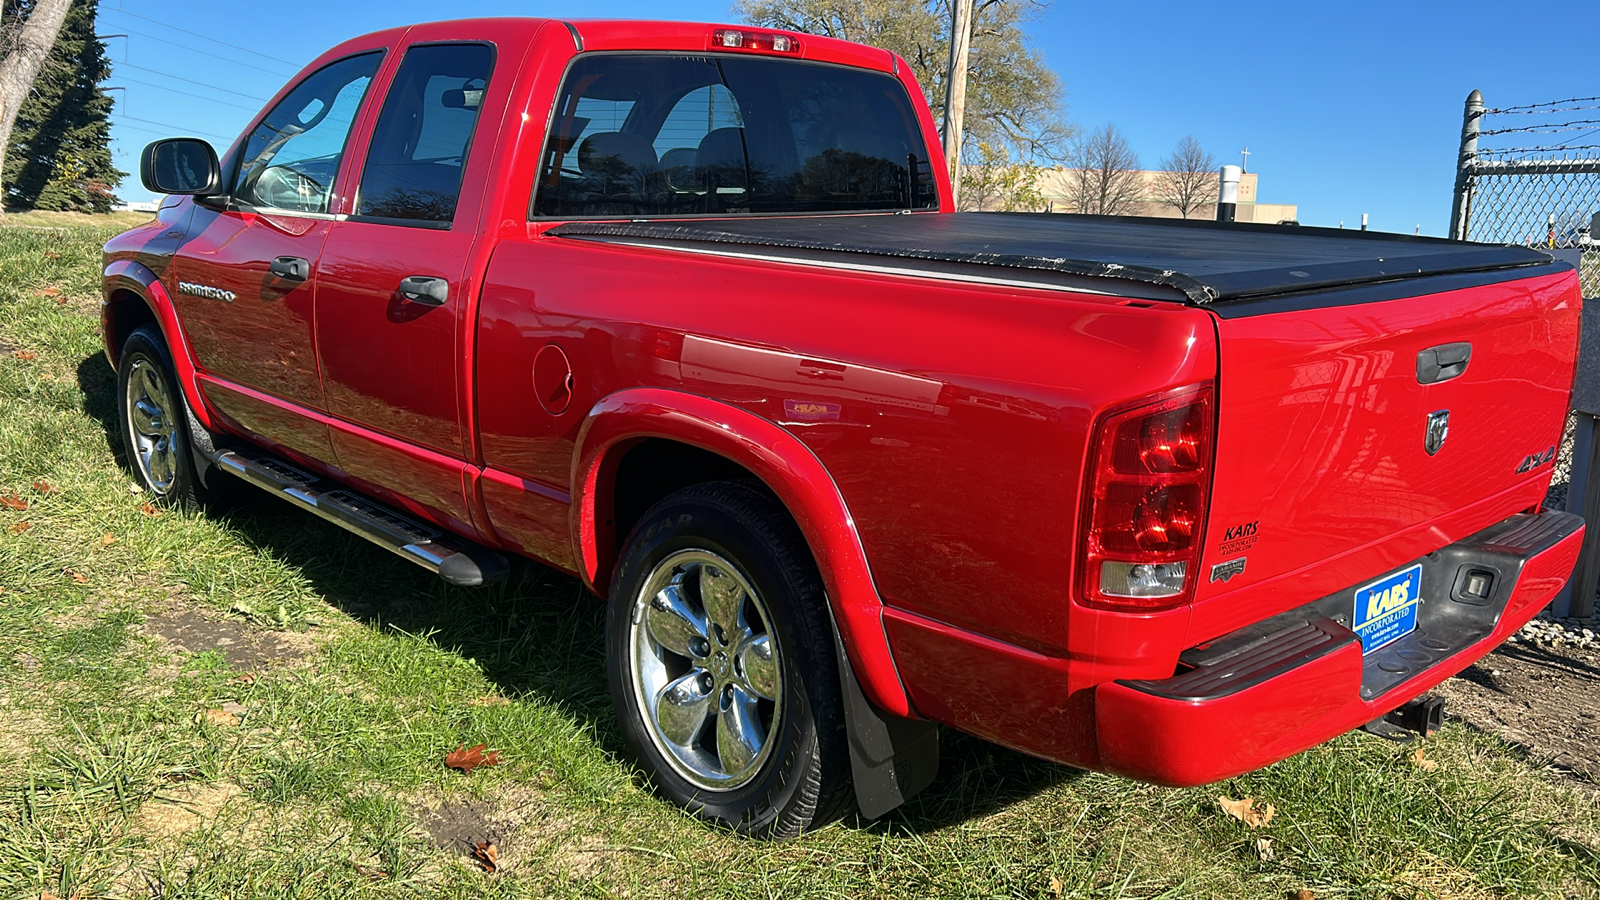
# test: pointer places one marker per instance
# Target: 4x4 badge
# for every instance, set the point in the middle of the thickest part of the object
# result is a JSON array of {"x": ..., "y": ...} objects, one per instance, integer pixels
[{"x": 1438, "y": 430}]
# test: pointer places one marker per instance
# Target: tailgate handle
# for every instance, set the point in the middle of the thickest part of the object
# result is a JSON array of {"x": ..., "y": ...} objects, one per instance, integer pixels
[{"x": 1443, "y": 362}]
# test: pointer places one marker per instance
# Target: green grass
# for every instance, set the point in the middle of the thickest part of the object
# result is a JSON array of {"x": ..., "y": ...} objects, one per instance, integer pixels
[{"x": 355, "y": 674}]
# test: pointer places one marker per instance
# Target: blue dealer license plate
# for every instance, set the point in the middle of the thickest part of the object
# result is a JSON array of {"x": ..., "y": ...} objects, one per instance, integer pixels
[{"x": 1386, "y": 610}]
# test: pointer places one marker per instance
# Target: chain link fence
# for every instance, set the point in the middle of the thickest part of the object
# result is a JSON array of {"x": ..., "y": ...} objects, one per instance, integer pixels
[{"x": 1530, "y": 175}]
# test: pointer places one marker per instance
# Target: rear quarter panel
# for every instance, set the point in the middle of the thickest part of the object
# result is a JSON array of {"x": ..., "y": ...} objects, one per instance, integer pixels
[{"x": 952, "y": 417}]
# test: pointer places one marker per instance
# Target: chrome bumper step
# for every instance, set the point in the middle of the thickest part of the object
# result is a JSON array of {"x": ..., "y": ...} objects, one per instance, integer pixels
[{"x": 456, "y": 560}]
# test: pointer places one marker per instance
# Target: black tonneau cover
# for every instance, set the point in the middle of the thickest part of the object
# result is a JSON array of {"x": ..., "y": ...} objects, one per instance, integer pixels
[{"x": 1208, "y": 262}]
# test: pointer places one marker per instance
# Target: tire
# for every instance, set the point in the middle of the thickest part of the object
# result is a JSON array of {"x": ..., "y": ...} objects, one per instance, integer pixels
[
  {"x": 721, "y": 663},
  {"x": 154, "y": 420}
]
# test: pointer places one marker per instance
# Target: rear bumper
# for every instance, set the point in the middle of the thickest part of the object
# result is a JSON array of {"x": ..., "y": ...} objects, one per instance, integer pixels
[{"x": 1293, "y": 681}]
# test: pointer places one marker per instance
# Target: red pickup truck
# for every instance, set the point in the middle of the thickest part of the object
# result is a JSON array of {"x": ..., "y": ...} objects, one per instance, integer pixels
[{"x": 685, "y": 310}]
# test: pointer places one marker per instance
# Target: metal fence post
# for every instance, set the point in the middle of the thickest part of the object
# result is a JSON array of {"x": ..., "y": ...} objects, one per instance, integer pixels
[
  {"x": 1583, "y": 487},
  {"x": 1461, "y": 206}
]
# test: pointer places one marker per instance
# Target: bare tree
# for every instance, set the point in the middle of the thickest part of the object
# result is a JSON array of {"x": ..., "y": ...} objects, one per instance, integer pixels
[
  {"x": 1013, "y": 100},
  {"x": 1103, "y": 173},
  {"x": 1188, "y": 179},
  {"x": 27, "y": 42}
]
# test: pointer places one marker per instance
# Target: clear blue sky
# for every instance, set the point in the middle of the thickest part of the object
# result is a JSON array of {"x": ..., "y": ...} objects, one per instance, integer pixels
[{"x": 1347, "y": 108}]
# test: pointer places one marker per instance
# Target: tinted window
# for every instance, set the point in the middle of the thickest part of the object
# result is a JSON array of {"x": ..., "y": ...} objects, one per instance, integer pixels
[
  {"x": 292, "y": 157},
  {"x": 730, "y": 135},
  {"x": 420, "y": 144}
]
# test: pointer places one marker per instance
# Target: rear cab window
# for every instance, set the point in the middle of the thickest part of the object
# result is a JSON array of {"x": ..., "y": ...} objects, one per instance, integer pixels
[{"x": 638, "y": 134}]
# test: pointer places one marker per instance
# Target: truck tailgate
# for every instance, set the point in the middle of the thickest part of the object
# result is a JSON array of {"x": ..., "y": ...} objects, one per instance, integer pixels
[{"x": 1326, "y": 476}]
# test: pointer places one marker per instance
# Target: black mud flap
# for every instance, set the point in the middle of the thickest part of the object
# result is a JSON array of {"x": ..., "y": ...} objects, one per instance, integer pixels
[{"x": 891, "y": 758}]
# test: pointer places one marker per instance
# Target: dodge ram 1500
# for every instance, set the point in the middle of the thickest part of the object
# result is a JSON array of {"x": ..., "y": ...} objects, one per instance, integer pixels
[{"x": 686, "y": 311}]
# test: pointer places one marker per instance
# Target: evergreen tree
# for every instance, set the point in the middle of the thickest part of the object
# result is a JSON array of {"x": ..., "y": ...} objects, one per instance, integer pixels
[{"x": 59, "y": 157}]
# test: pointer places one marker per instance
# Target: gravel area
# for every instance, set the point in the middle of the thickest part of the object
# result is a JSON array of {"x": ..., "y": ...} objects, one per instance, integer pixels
[{"x": 1539, "y": 691}]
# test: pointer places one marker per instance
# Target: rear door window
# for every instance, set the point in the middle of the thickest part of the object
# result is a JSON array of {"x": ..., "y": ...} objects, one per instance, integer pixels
[
  {"x": 423, "y": 135},
  {"x": 646, "y": 135}
]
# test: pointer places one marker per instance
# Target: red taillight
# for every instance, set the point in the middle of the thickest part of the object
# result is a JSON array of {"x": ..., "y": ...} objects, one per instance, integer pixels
[
  {"x": 754, "y": 41},
  {"x": 1149, "y": 468}
]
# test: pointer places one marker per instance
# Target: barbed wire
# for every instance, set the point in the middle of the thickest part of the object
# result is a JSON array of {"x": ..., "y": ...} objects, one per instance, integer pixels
[
  {"x": 1535, "y": 108},
  {"x": 1547, "y": 128},
  {"x": 1507, "y": 151}
]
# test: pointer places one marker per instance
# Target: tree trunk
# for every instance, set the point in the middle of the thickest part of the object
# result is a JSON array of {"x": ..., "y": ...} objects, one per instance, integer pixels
[
  {"x": 22, "y": 65},
  {"x": 955, "y": 92}
]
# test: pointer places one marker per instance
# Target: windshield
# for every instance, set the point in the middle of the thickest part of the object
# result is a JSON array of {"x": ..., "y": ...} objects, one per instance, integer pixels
[{"x": 647, "y": 135}]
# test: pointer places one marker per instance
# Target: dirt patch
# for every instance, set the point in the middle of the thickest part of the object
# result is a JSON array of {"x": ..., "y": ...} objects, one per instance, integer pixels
[
  {"x": 18, "y": 730},
  {"x": 245, "y": 648},
  {"x": 6, "y": 346},
  {"x": 460, "y": 824},
  {"x": 523, "y": 829},
  {"x": 183, "y": 809},
  {"x": 1543, "y": 697}
]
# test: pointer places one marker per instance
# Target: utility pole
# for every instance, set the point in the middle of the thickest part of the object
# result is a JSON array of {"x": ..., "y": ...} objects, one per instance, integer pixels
[
  {"x": 955, "y": 94},
  {"x": 1228, "y": 193}
]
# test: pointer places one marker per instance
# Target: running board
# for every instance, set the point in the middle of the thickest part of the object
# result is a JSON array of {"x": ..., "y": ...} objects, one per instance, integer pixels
[{"x": 454, "y": 559}]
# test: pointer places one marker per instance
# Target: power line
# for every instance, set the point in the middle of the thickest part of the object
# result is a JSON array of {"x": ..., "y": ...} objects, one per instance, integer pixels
[
  {"x": 174, "y": 128},
  {"x": 205, "y": 38},
  {"x": 162, "y": 87},
  {"x": 189, "y": 81},
  {"x": 226, "y": 59}
]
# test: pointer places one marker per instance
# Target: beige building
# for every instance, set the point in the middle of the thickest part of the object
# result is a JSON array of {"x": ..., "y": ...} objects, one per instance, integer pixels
[{"x": 1053, "y": 185}]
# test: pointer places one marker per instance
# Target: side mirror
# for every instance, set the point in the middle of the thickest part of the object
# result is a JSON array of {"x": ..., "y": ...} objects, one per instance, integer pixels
[
  {"x": 181, "y": 166},
  {"x": 466, "y": 98}
]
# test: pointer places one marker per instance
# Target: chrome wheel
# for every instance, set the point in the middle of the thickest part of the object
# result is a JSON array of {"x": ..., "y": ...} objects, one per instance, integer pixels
[
  {"x": 153, "y": 424},
  {"x": 706, "y": 670}
]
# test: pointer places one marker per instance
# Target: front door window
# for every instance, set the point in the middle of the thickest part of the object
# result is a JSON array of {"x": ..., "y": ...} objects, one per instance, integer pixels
[{"x": 292, "y": 157}]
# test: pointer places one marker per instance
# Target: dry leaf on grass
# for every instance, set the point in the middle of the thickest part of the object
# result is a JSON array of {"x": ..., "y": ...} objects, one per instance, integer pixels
[
  {"x": 49, "y": 292},
  {"x": 1422, "y": 762},
  {"x": 20, "y": 527},
  {"x": 486, "y": 855},
  {"x": 76, "y": 576},
  {"x": 490, "y": 700},
  {"x": 107, "y": 540},
  {"x": 468, "y": 759},
  {"x": 43, "y": 487},
  {"x": 245, "y": 678},
  {"x": 220, "y": 717},
  {"x": 25, "y": 355},
  {"x": 51, "y": 254},
  {"x": 1056, "y": 887},
  {"x": 1264, "y": 849},
  {"x": 1304, "y": 894},
  {"x": 149, "y": 510},
  {"x": 1247, "y": 812},
  {"x": 12, "y": 501},
  {"x": 370, "y": 872}
]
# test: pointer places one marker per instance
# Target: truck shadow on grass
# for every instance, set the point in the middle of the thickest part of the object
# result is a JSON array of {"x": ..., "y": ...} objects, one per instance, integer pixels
[{"x": 540, "y": 635}]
